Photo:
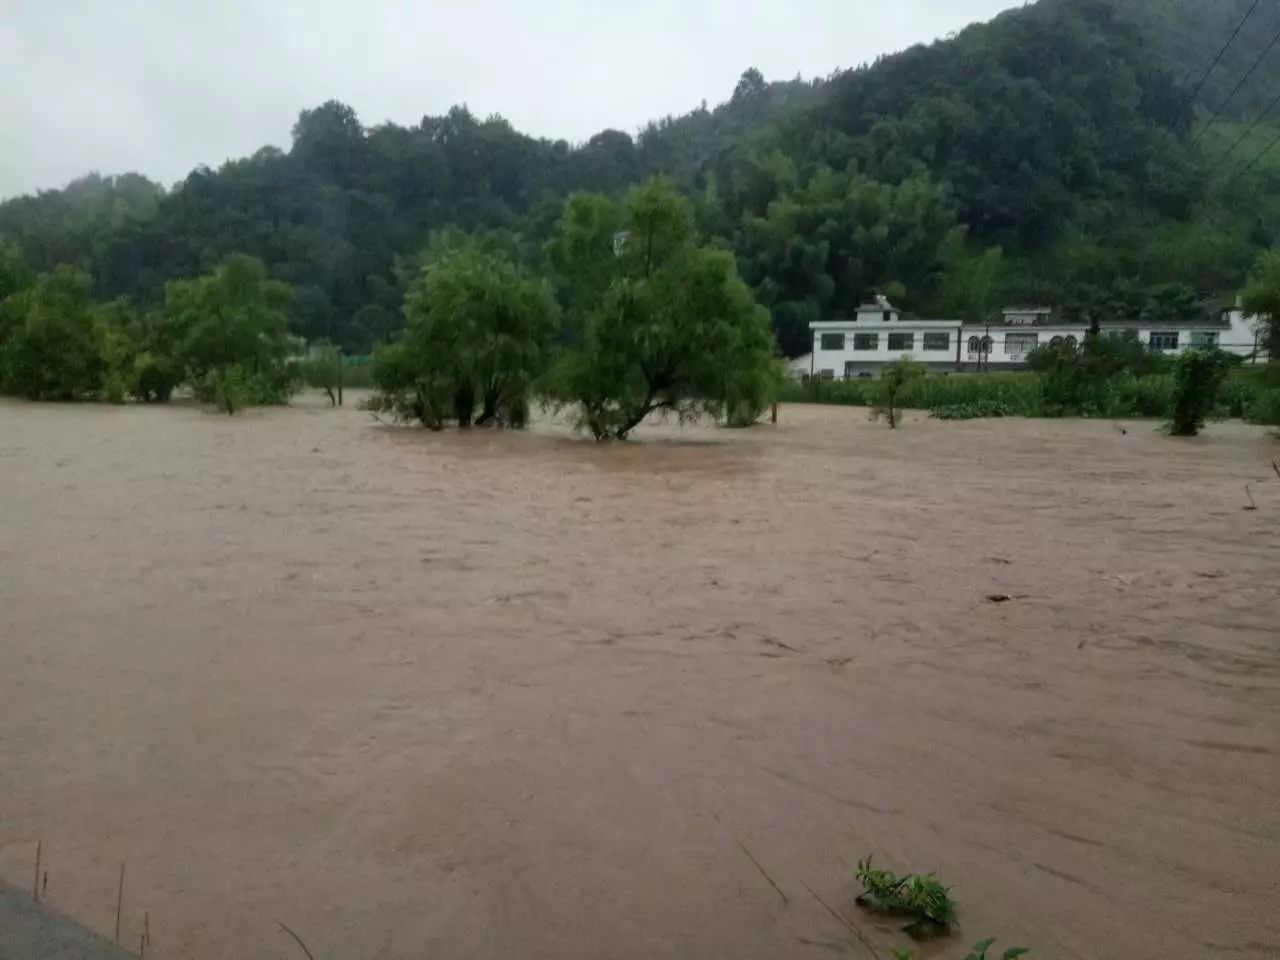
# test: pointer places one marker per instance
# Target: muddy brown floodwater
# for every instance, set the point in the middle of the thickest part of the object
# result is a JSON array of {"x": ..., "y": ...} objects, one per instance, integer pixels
[{"x": 517, "y": 695}]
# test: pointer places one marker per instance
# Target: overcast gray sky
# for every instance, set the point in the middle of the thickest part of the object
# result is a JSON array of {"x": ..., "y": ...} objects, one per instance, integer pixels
[{"x": 158, "y": 86}]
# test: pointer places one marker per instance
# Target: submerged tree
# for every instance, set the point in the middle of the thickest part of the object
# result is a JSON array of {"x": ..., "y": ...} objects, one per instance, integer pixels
[
  {"x": 660, "y": 324},
  {"x": 323, "y": 371},
  {"x": 1198, "y": 378},
  {"x": 478, "y": 334},
  {"x": 235, "y": 317},
  {"x": 888, "y": 389},
  {"x": 52, "y": 342}
]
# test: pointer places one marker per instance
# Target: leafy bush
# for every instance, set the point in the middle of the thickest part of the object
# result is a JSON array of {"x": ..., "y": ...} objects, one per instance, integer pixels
[
  {"x": 851, "y": 393},
  {"x": 1264, "y": 407},
  {"x": 1236, "y": 394},
  {"x": 231, "y": 388},
  {"x": 1198, "y": 380},
  {"x": 1021, "y": 394},
  {"x": 1086, "y": 380},
  {"x": 1130, "y": 396},
  {"x": 53, "y": 343},
  {"x": 155, "y": 377},
  {"x": 660, "y": 323},
  {"x": 920, "y": 897},
  {"x": 323, "y": 370},
  {"x": 756, "y": 380},
  {"x": 895, "y": 379},
  {"x": 977, "y": 410},
  {"x": 479, "y": 334},
  {"x": 228, "y": 388}
]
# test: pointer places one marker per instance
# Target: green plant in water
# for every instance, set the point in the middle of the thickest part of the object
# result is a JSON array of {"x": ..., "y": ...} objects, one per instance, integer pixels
[
  {"x": 1198, "y": 380},
  {"x": 975, "y": 410},
  {"x": 920, "y": 897},
  {"x": 894, "y": 380}
]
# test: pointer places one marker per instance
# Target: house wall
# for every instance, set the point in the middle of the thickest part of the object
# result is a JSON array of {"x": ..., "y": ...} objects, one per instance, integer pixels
[
  {"x": 851, "y": 361},
  {"x": 1238, "y": 336}
]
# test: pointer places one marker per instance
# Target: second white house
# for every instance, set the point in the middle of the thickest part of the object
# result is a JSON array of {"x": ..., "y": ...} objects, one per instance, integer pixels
[{"x": 878, "y": 334}]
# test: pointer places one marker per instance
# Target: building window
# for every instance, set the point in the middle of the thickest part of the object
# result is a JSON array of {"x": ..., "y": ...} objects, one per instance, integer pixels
[
  {"x": 1071, "y": 342},
  {"x": 848, "y": 370},
  {"x": 833, "y": 341},
  {"x": 987, "y": 343},
  {"x": 1209, "y": 339},
  {"x": 888, "y": 315},
  {"x": 1020, "y": 344},
  {"x": 828, "y": 374},
  {"x": 866, "y": 341},
  {"x": 902, "y": 341},
  {"x": 937, "y": 341},
  {"x": 1164, "y": 340},
  {"x": 1056, "y": 342},
  {"x": 975, "y": 345}
]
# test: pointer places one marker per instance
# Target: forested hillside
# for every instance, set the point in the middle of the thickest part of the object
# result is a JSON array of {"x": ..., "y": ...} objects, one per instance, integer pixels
[{"x": 1053, "y": 154}]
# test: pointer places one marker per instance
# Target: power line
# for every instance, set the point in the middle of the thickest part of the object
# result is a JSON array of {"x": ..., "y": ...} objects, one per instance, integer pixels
[
  {"x": 1222, "y": 52},
  {"x": 1253, "y": 163},
  {"x": 1253, "y": 126},
  {"x": 1249, "y": 73}
]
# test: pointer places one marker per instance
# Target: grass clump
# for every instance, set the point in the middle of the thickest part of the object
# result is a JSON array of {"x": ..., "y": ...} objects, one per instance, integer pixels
[
  {"x": 974, "y": 410},
  {"x": 919, "y": 897}
]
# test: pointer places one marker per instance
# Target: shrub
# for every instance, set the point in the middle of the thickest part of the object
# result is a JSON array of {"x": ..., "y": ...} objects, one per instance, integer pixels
[
  {"x": 53, "y": 343},
  {"x": 920, "y": 897},
  {"x": 323, "y": 370},
  {"x": 1198, "y": 380},
  {"x": 231, "y": 388},
  {"x": 228, "y": 388},
  {"x": 1021, "y": 394},
  {"x": 155, "y": 377},
  {"x": 1236, "y": 394},
  {"x": 1130, "y": 396},
  {"x": 1264, "y": 407},
  {"x": 976, "y": 410},
  {"x": 661, "y": 324},
  {"x": 1085, "y": 380},
  {"x": 850, "y": 393},
  {"x": 894, "y": 380},
  {"x": 755, "y": 381},
  {"x": 478, "y": 335}
]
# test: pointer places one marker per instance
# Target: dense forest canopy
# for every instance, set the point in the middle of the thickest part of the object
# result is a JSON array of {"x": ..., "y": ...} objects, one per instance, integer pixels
[{"x": 1055, "y": 154}]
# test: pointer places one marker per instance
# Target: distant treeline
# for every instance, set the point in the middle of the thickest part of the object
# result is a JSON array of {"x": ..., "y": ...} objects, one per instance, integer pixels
[{"x": 1046, "y": 156}]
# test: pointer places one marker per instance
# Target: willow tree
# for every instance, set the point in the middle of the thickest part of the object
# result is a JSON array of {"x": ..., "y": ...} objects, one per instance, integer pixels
[
  {"x": 478, "y": 334},
  {"x": 228, "y": 332},
  {"x": 659, "y": 323}
]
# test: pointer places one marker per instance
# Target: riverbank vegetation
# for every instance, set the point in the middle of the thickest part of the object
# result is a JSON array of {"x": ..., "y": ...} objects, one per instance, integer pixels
[
  {"x": 223, "y": 335},
  {"x": 1055, "y": 154},
  {"x": 1066, "y": 385},
  {"x": 653, "y": 323}
]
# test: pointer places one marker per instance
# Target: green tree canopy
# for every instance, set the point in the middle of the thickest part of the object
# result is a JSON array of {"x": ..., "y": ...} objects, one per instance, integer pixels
[
  {"x": 666, "y": 325},
  {"x": 478, "y": 335},
  {"x": 235, "y": 316},
  {"x": 53, "y": 343}
]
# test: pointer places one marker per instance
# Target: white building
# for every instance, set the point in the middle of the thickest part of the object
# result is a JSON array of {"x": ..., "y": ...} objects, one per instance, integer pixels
[{"x": 878, "y": 334}]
